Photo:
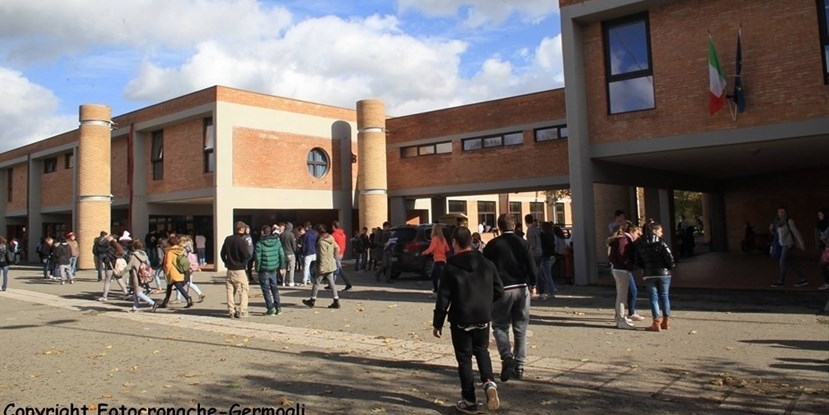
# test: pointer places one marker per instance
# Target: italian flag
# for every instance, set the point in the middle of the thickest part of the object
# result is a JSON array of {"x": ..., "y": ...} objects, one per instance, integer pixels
[{"x": 716, "y": 82}]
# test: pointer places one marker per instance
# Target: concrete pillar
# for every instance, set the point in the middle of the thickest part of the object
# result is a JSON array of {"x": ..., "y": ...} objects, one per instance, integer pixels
[
  {"x": 607, "y": 199},
  {"x": 371, "y": 174},
  {"x": 438, "y": 207},
  {"x": 35, "y": 219},
  {"x": 94, "y": 178},
  {"x": 659, "y": 207},
  {"x": 4, "y": 177},
  {"x": 140, "y": 213}
]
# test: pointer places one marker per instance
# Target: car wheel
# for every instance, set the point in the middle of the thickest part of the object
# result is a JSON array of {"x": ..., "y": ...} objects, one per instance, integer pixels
[{"x": 426, "y": 273}]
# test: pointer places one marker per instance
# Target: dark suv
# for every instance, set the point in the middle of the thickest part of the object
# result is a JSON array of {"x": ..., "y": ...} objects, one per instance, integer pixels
[{"x": 406, "y": 246}]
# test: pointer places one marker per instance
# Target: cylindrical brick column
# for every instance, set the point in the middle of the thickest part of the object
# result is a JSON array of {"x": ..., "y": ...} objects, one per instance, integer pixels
[
  {"x": 93, "y": 166},
  {"x": 371, "y": 175}
]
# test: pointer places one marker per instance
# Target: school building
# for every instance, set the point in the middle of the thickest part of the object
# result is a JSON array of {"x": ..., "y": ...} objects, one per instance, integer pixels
[{"x": 633, "y": 118}]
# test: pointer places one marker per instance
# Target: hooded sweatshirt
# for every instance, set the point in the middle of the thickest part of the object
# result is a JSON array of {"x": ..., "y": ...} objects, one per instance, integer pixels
[
  {"x": 327, "y": 250},
  {"x": 468, "y": 287},
  {"x": 269, "y": 254},
  {"x": 288, "y": 239},
  {"x": 340, "y": 239}
]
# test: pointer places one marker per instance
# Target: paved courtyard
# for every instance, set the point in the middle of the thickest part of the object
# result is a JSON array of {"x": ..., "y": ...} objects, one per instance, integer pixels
[{"x": 730, "y": 352}]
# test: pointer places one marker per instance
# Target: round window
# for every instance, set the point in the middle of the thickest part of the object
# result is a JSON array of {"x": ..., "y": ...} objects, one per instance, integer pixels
[{"x": 317, "y": 162}]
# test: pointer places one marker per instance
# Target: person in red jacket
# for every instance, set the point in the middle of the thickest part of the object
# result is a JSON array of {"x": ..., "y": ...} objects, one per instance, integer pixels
[
  {"x": 340, "y": 239},
  {"x": 438, "y": 248}
]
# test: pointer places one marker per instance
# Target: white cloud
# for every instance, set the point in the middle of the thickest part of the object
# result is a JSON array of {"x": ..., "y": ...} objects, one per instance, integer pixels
[
  {"x": 146, "y": 51},
  {"x": 483, "y": 12},
  {"x": 27, "y": 112}
]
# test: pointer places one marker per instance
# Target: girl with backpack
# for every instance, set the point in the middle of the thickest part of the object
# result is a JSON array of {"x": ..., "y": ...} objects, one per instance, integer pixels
[
  {"x": 138, "y": 260},
  {"x": 193, "y": 266},
  {"x": 114, "y": 253},
  {"x": 175, "y": 277}
]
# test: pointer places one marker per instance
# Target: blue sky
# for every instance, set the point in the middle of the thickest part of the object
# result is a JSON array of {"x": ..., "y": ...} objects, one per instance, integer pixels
[{"x": 416, "y": 55}]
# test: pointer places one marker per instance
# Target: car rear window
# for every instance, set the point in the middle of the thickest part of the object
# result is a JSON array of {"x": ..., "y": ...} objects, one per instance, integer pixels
[{"x": 404, "y": 234}]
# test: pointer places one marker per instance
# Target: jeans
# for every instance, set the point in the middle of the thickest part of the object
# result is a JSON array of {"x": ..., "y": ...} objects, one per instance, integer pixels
[
  {"x": 467, "y": 344},
  {"x": 200, "y": 253},
  {"x": 362, "y": 261},
  {"x": 5, "y": 270},
  {"x": 159, "y": 273},
  {"x": 65, "y": 271},
  {"x": 658, "y": 288},
  {"x": 306, "y": 271},
  {"x": 546, "y": 268},
  {"x": 139, "y": 295},
  {"x": 270, "y": 289},
  {"x": 633, "y": 291},
  {"x": 47, "y": 267},
  {"x": 290, "y": 269},
  {"x": 179, "y": 287},
  {"x": 73, "y": 265},
  {"x": 237, "y": 282},
  {"x": 622, "y": 278},
  {"x": 785, "y": 262},
  {"x": 340, "y": 272},
  {"x": 513, "y": 308},
  {"x": 107, "y": 282},
  {"x": 100, "y": 266},
  {"x": 437, "y": 270},
  {"x": 318, "y": 280}
]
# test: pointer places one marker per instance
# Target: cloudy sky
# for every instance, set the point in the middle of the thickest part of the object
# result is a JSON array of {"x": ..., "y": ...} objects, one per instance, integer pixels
[{"x": 416, "y": 55}]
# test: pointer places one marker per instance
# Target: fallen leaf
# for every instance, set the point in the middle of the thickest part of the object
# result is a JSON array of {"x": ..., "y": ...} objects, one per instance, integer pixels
[
  {"x": 283, "y": 401},
  {"x": 378, "y": 410},
  {"x": 109, "y": 347},
  {"x": 692, "y": 332}
]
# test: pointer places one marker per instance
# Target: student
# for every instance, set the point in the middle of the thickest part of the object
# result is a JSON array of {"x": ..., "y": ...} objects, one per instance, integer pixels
[
  {"x": 656, "y": 261},
  {"x": 468, "y": 288}
]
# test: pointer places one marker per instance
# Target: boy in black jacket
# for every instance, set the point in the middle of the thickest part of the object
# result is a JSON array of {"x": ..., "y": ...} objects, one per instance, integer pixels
[{"x": 468, "y": 287}]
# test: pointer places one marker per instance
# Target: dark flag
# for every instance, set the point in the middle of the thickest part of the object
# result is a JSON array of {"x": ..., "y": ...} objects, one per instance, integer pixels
[{"x": 739, "y": 96}]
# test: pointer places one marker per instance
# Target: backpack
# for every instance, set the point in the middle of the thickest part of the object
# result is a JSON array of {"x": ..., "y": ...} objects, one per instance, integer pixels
[
  {"x": 101, "y": 245},
  {"x": 145, "y": 272},
  {"x": 193, "y": 262},
  {"x": 119, "y": 267},
  {"x": 182, "y": 263}
]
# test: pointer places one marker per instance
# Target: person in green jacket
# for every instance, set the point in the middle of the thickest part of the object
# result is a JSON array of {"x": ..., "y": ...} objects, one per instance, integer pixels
[{"x": 270, "y": 259}]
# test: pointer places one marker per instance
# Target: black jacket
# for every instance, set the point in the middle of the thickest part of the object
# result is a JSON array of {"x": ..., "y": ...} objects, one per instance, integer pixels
[
  {"x": 512, "y": 256},
  {"x": 468, "y": 287},
  {"x": 235, "y": 252},
  {"x": 654, "y": 256}
]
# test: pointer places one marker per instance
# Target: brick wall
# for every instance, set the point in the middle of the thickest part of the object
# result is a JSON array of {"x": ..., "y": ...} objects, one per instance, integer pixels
[
  {"x": 782, "y": 71},
  {"x": 276, "y": 159},
  {"x": 20, "y": 181},
  {"x": 57, "y": 187},
  {"x": 484, "y": 165},
  {"x": 183, "y": 159}
]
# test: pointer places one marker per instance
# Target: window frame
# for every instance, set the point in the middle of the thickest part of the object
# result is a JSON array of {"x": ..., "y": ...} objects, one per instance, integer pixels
[
  {"x": 492, "y": 141},
  {"x": 458, "y": 204},
  {"x": 558, "y": 133},
  {"x": 485, "y": 215},
  {"x": 313, "y": 164},
  {"x": 50, "y": 165},
  {"x": 10, "y": 185},
  {"x": 431, "y": 149},
  {"x": 157, "y": 154},
  {"x": 537, "y": 209},
  {"x": 611, "y": 78},
  {"x": 209, "y": 145},
  {"x": 68, "y": 161}
]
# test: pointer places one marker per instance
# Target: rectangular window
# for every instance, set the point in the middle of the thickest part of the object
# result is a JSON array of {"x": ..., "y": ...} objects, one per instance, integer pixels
[
  {"x": 68, "y": 161},
  {"x": 628, "y": 64},
  {"x": 457, "y": 206},
  {"x": 486, "y": 213},
  {"x": 823, "y": 23},
  {"x": 559, "y": 208},
  {"x": 426, "y": 149},
  {"x": 551, "y": 133},
  {"x": 157, "y": 154},
  {"x": 50, "y": 165},
  {"x": 408, "y": 152},
  {"x": 493, "y": 141},
  {"x": 513, "y": 139},
  {"x": 10, "y": 185},
  {"x": 472, "y": 144},
  {"x": 209, "y": 138},
  {"x": 515, "y": 212},
  {"x": 537, "y": 210}
]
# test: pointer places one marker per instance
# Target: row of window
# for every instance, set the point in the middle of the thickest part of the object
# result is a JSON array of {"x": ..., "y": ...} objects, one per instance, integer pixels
[
  {"x": 491, "y": 141},
  {"x": 629, "y": 63},
  {"x": 487, "y": 211},
  {"x": 50, "y": 164}
]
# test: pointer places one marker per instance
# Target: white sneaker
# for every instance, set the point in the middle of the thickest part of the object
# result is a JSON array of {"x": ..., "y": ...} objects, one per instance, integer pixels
[
  {"x": 291, "y": 284},
  {"x": 635, "y": 317},
  {"x": 824, "y": 287},
  {"x": 543, "y": 297},
  {"x": 625, "y": 324},
  {"x": 102, "y": 299}
]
